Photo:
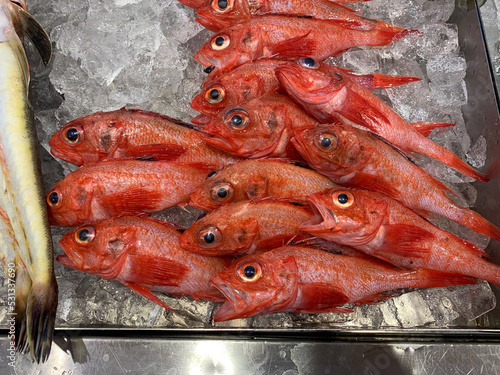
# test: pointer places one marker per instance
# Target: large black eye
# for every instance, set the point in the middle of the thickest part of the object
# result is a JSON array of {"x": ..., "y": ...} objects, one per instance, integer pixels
[
  {"x": 214, "y": 94},
  {"x": 237, "y": 119},
  {"x": 84, "y": 235},
  {"x": 209, "y": 236},
  {"x": 221, "y": 192},
  {"x": 343, "y": 199},
  {"x": 219, "y": 42},
  {"x": 326, "y": 141},
  {"x": 307, "y": 62},
  {"x": 250, "y": 272},
  {"x": 222, "y": 6},
  {"x": 73, "y": 135},
  {"x": 54, "y": 198}
]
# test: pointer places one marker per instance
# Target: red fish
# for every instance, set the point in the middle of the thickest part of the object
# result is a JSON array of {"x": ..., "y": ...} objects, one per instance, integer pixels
[
  {"x": 357, "y": 158},
  {"x": 144, "y": 255},
  {"x": 246, "y": 227},
  {"x": 195, "y": 4},
  {"x": 325, "y": 97},
  {"x": 219, "y": 14},
  {"x": 382, "y": 227},
  {"x": 133, "y": 133},
  {"x": 121, "y": 187},
  {"x": 257, "y": 179},
  {"x": 257, "y": 78},
  {"x": 302, "y": 279},
  {"x": 286, "y": 38},
  {"x": 257, "y": 128}
]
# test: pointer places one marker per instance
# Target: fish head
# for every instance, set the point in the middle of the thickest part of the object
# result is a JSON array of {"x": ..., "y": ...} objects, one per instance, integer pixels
[
  {"x": 346, "y": 216},
  {"x": 220, "y": 14},
  {"x": 229, "y": 47},
  {"x": 212, "y": 99},
  {"x": 99, "y": 248},
  {"x": 69, "y": 201},
  {"x": 87, "y": 139},
  {"x": 218, "y": 189},
  {"x": 310, "y": 82},
  {"x": 251, "y": 130},
  {"x": 221, "y": 232},
  {"x": 256, "y": 285},
  {"x": 335, "y": 147}
]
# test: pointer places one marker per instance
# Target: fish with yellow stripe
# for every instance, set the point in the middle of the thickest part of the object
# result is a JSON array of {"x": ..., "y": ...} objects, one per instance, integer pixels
[{"x": 25, "y": 226}]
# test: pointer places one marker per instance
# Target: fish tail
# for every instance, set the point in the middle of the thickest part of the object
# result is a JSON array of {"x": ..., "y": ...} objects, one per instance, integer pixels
[
  {"x": 474, "y": 221},
  {"x": 23, "y": 288},
  {"x": 376, "y": 81},
  {"x": 425, "y": 128},
  {"x": 385, "y": 33},
  {"x": 426, "y": 278},
  {"x": 447, "y": 157},
  {"x": 41, "y": 315}
]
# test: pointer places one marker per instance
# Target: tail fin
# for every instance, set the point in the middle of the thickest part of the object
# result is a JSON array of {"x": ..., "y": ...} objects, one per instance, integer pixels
[
  {"x": 447, "y": 157},
  {"x": 425, "y": 128},
  {"x": 41, "y": 316},
  {"x": 436, "y": 279},
  {"x": 377, "y": 81},
  {"x": 475, "y": 221},
  {"x": 386, "y": 33},
  {"x": 23, "y": 287}
]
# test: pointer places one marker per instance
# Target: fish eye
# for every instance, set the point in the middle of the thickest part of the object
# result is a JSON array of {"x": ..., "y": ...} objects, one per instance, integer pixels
[
  {"x": 237, "y": 119},
  {"x": 84, "y": 235},
  {"x": 326, "y": 141},
  {"x": 222, "y": 6},
  {"x": 308, "y": 62},
  {"x": 343, "y": 199},
  {"x": 73, "y": 135},
  {"x": 54, "y": 198},
  {"x": 219, "y": 42},
  {"x": 221, "y": 192},
  {"x": 250, "y": 272},
  {"x": 209, "y": 236},
  {"x": 215, "y": 94}
]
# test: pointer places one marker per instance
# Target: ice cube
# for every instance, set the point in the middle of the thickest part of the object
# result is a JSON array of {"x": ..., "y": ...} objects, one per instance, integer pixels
[
  {"x": 446, "y": 71},
  {"x": 439, "y": 40}
]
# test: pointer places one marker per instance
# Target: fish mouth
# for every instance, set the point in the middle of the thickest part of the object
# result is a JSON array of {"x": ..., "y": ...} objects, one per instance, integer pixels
[
  {"x": 205, "y": 60},
  {"x": 323, "y": 218},
  {"x": 302, "y": 149},
  {"x": 73, "y": 158},
  {"x": 75, "y": 262},
  {"x": 237, "y": 304},
  {"x": 299, "y": 84},
  {"x": 221, "y": 143},
  {"x": 210, "y": 23},
  {"x": 201, "y": 119}
]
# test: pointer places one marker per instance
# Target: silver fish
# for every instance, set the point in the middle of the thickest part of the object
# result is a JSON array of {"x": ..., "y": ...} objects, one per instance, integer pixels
[{"x": 22, "y": 198}]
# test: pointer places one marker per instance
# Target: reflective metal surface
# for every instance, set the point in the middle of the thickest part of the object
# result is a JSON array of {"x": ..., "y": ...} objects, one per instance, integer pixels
[{"x": 75, "y": 356}]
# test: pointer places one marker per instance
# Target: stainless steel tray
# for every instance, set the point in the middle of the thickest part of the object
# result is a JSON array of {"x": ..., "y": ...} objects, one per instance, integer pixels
[{"x": 191, "y": 347}]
